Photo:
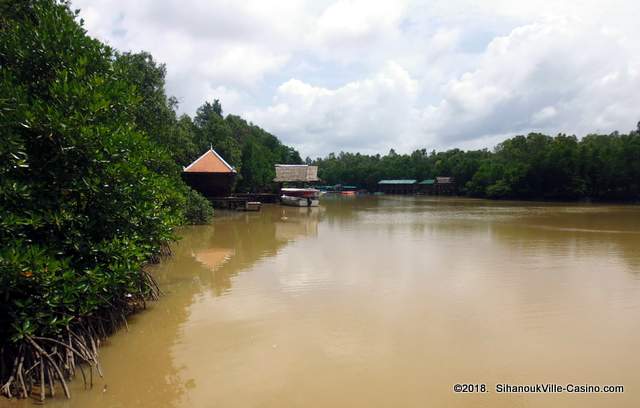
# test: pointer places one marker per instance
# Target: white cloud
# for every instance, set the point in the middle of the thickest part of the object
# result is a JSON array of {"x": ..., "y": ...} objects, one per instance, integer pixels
[
  {"x": 349, "y": 30},
  {"x": 366, "y": 115},
  {"x": 361, "y": 75},
  {"x": 357, "y": 19},
  {"x": 556, "y": 75},
  {"x": 239, "y": 65},
  {"x": 545, "y": 114}
]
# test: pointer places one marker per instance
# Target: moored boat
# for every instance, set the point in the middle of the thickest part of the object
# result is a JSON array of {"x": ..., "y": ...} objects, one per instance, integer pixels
[
  {"x": 299, "y": 201},
  {"x": 300, "y": 197}
]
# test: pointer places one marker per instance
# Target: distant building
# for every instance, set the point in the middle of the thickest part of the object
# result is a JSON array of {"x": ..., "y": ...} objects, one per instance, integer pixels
[
  {"x": 210, "y": 175},
  {"x": 445, "y": 186},
  {"x": 296, "y": 173},
  {"x": 404, "y": 186},
  {"x": 338, "y": 188},
  {"x": 427, "y": 186}
]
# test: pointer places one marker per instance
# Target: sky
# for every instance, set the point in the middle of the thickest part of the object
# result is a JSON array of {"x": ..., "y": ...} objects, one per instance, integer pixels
[{"x": 368, "y": 76}]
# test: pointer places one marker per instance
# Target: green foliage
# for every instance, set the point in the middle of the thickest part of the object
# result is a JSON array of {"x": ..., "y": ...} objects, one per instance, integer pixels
[
  {"x": 154, "y": 114},
  {"x": 86, "y": 198},
  {"x": 182, "y": 144},
  {"x": 241, "y": 144},
  {"x": 90, "y": 158},
  {"x": 91, "y": 150},
  {"x": 499, "y": 189},
  {"x": 258, "y": 167},
  {"x": 197, "y": 208},
  {"x": 365, "y": 171},
  {"x": 213, "y": 131},
  {"x": 536, "y": 166},
  {"x": 251, "y": 150}
]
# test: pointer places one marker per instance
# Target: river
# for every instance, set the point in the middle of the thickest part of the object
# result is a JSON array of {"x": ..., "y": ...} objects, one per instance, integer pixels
[{"x": 386, "y": 302}]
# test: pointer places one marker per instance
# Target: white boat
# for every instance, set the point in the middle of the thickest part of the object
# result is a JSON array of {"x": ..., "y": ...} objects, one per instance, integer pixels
[
  {"x": 300, "y": 197},
  {"x": 299, "y": 201}
]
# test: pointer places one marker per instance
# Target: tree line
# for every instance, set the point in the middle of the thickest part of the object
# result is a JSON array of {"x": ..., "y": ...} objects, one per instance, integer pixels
[
  {"x": 250, "y": 149},
  {"x": 535, "y": 166},
  {"x": 91, "y": 153}
]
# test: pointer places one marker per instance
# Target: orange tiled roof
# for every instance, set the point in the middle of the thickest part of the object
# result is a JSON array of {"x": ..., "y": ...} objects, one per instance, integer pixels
[{"x": 209, "y": 162}]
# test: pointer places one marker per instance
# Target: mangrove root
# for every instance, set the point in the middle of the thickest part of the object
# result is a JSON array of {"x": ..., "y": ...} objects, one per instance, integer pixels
[{"x": 37, "y": 365}]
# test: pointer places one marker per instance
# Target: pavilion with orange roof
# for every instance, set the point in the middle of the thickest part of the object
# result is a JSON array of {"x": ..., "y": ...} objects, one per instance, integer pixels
[{"x": 210, "y": 175}]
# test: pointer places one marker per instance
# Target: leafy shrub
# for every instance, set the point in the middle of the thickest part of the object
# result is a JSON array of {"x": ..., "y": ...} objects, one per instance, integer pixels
[
  {"x": 499, "y": 190},
  {"x": 86, "y": 199},
  {"x": 198, "y": 209}
]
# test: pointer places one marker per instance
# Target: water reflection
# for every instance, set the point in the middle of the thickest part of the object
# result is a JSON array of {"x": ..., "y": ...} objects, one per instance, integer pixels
[
  {"x": 551, "y": 227},
  {"x": 140, "y": 365},
  {"x": 385, "y": 301},
  {"x": 237, "y": 241}
]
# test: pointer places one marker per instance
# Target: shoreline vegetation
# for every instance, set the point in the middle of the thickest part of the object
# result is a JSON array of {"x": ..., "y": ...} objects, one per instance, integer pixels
[
  {"x": 599, "y": 168},
  {"x": 91, "y": 153}
]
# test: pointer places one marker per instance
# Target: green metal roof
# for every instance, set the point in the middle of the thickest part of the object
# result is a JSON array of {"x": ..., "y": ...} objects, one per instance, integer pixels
[
  {"x": 397, "y": 182},
  {"x": 430, "y": 181}
]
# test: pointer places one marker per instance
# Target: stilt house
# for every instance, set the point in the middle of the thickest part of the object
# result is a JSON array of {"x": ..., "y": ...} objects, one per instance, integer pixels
[{"x": 210, "y": 175}]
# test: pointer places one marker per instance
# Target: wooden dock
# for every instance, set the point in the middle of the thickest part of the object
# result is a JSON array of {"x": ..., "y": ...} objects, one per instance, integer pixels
[
  {"x": 243, "y": 202},
  {"x": 264, "y": 198}
]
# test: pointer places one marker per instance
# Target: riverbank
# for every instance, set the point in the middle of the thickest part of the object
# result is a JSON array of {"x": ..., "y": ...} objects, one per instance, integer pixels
[{"x": 87, "y": 199}]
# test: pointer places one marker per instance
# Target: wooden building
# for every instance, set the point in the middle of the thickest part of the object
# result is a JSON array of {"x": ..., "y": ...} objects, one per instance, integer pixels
[
  {"x": 398, "y": 186},
  {"x": 210, "y": 175},
  {"x": 445, "y": 186},
  {"x": 427, "y": 187},
  {"x": 296, "y": 173}
]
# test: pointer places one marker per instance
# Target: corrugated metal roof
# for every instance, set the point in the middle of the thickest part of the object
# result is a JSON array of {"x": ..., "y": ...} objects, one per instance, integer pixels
[
  {"x": 429, "y": 181},
  {"x": 209, "y": 162},
  {"x": 402, "y": 181},
  {"x": 444, "y": 180}
]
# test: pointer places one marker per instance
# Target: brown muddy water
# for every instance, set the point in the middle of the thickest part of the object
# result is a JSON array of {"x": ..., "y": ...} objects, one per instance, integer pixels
[{"x": 386, "y": 302}]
